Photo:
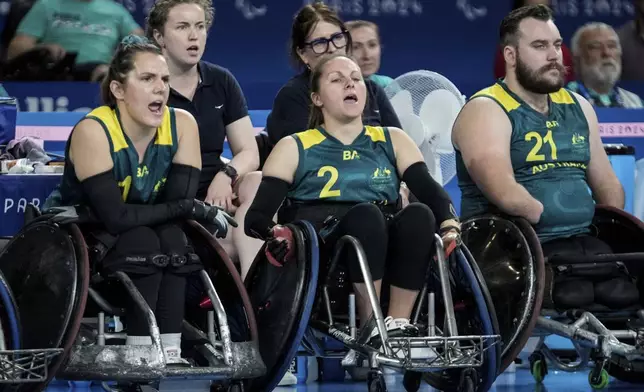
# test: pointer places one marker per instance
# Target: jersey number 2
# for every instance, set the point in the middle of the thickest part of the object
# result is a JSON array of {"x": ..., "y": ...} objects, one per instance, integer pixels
[
  {"x": 534, "y": 155},
  {"x": 326, "y": 191}
]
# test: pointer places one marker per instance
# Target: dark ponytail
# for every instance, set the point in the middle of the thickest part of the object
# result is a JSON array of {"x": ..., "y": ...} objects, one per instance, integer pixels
[{"x": 123, "y": 62}]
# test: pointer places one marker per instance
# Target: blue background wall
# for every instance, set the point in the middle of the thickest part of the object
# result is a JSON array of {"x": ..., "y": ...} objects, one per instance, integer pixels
[{"x": 456, "y": 38}]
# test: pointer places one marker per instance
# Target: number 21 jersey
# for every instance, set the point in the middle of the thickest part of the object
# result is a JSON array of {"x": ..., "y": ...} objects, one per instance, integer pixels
[{"x": 550, "y": 155}]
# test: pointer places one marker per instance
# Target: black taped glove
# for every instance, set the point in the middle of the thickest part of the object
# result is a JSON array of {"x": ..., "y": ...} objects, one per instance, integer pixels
[{"x": 205, "y": 212}]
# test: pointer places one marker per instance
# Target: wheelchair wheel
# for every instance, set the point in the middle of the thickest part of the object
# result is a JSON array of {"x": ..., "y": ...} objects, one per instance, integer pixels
[
  {"x": 627, "y": 371},
  {"x": 376, "y": 382},
  {"x": 46, "y": 267},
  {"x": 230, "y": 288},
  {"x": 283, "y": 299},
  {"x": 10, "y": 320},
  {"x": 509, "y": 255},
  {"x": 473, "y": 318}
]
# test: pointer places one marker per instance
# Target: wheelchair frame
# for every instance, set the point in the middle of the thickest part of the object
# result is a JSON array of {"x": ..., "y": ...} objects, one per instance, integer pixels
[
  {"x": 591, "y": 338},
  {"x": 228, "y": 361},
  {"x": 448, "y": 351}
]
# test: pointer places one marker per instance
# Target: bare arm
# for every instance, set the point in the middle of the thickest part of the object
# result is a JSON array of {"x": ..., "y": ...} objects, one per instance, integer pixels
[
  {"x": 241, "y": 138},
  {"x": 189, "y": 152},
  {"x": 20, "y": 44},
  {"x": 602, "y": 179},
  {"x": 283, "y": 160},
  {"x": 90, "y": 150},
  {"x": 482, "y": 133}
]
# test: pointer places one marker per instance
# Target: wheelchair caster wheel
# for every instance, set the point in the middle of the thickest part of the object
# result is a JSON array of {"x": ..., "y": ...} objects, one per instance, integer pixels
[
  {"x": 236, "y": 388},
  {"x": 376, "y": 382},
  {"x": 469, "y": 381},
  {"x": 411, "y": 381},
  {"x": 599, "y": 381},
  {"x": 538, "y": 367}
]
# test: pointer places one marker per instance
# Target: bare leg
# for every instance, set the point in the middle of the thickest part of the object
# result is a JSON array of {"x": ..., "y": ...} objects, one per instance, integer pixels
[
  {"x": 401, "y": 302},
  {"x": 246, "y": 247},
  {"x": 362, "y": 300}
]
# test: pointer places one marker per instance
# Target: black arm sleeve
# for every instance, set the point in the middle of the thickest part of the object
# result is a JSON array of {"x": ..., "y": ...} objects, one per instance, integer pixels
[
  {"x": 182, "y": 183},
  {"x": 429, "y": 192},
  {"x": 105, "y": 199},
  {"x": 269, "y": 197},
  {"x": 388, "y": 117},
  {"x": 290, "y": 113}
]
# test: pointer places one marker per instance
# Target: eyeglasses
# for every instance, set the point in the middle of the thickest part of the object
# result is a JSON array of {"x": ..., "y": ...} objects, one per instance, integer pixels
[{"x": 321, "y": 45}]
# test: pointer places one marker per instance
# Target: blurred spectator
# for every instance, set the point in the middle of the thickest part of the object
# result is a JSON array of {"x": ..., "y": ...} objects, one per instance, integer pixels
[
  {"x": 631, "y": 36},
  {"x": 318, "y": 31},
  {"x": 367, "y": 50},
  {"x": 499, "y": 61},
  {"x": 17, "y": 11},
  {"x": 90, "y": 29},
  {"x": 597, "y": 57}
]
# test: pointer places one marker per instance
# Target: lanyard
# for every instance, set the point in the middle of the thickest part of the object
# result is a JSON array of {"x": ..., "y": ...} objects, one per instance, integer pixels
[{"x": 615, "y": 98}]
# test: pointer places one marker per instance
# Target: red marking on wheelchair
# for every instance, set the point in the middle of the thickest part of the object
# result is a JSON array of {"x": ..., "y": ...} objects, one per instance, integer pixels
[
  {"x": 205, "y": 303},
  {"x": 450, "y": 248}
]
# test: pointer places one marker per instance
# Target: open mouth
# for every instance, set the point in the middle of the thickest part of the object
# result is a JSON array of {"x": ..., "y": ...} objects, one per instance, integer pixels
[
  {"x": 194, "y": 49},
  {"x": 155, "y": 107},
  {"x": 351, "y": 98}
]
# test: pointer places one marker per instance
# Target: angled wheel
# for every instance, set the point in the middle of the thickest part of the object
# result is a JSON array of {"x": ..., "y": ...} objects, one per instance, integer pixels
[
  {"x": 473, "y": 318},
  {"x": 510, "y": 258},
  {"x": 283, "y": 300}
]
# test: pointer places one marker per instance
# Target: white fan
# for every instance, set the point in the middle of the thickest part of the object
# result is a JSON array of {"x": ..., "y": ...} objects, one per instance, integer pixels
[{"x": 427, "y": 104}]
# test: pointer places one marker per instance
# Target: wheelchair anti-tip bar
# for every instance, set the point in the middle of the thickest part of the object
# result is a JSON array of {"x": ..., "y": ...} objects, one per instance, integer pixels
[{"x": 605, "y": 340}]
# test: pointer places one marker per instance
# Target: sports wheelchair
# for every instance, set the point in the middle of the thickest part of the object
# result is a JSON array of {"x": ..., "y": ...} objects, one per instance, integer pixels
[
  {"x": 308, "y": 302},
  {"x": 512, "y": 262},
  {"x": 57, "y": 308}
]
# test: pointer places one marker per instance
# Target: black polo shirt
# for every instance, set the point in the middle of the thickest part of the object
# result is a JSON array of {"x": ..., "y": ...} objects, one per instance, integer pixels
[
  {"x": 217, "y": 102},
  {"x": 292, "y": 105}
]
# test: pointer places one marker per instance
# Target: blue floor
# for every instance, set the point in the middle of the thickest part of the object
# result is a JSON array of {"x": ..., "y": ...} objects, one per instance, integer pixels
[{"x": 519, "y": 381}]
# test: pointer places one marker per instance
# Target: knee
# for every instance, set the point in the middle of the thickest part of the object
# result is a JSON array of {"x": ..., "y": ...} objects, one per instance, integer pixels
[
  {"x": 369, "y": 216},
  {"x": 172, "y": 237},
  {"x": 248, "y": 186},
  {"x": 419, "y": 218}
]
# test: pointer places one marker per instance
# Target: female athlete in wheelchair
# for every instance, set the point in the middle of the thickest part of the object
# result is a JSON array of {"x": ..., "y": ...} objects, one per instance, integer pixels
[
  {"x": 344, "y": 178},
  {"x": 130, "y": 180}
]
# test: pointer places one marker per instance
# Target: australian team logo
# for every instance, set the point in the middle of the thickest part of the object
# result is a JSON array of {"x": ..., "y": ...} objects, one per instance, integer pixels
[{"x": 380, "y": 178}]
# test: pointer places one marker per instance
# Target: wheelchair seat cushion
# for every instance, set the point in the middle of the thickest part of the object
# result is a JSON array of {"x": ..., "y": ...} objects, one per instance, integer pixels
[{"x": 580, "y": 286}]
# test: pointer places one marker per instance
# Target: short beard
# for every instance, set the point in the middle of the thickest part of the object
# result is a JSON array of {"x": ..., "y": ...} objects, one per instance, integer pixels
[{"x": 532, "y": 80}]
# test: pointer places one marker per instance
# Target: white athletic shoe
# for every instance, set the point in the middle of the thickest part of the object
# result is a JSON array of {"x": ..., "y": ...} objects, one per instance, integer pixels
[{"x": 288, "y": 379}]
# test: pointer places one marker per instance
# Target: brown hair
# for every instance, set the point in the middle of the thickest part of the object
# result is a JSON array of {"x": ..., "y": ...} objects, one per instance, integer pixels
[
  {"x": 316, "y": 118},
  {"x": 305, "y": 21},
  {"x": 158, "y": 15},
  {"x": 123, "y": 62},
  {"x": 356, "y": 24},
  {"x": 509, "y": 30}
]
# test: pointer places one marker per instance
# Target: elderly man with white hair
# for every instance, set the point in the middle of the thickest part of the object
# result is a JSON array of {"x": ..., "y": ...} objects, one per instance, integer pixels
[{"x": 597, "y": 55}]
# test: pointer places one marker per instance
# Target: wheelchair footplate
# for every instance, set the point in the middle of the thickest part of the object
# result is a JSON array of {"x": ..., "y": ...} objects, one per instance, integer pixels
[
  {"x": 226, "y": 360},
  {"x": 451, "y": 357}
]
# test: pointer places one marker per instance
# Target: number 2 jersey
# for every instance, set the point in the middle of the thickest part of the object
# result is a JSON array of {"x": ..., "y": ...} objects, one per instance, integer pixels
[
  {"x": 550, "y": 155},
  {"x": 329, "y": 171}
]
